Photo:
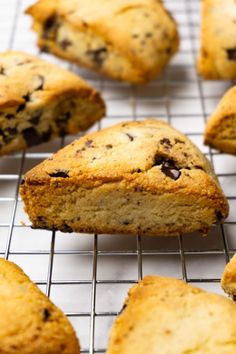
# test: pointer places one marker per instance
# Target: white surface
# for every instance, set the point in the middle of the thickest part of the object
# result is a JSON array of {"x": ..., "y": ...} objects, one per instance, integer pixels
[{"x": 177, "y": 97}]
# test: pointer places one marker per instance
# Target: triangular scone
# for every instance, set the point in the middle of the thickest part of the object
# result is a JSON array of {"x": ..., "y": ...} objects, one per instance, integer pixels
[
  {"x": 228, "y": 280},
  {"x": 220, "y": 131},
  {"x": 40, "y": 101},
  {"x": 30, "y": 323},
  {"x": 135, "y": 177},
  {"x": 217, "y": 57},
  {"x": 167, "y": 316},
  {"x": 130, "y": 40}
]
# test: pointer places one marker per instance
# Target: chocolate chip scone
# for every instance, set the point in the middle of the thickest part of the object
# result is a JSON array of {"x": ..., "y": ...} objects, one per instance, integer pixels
[
  {"x": 228, "y": 280},
  {"x": 136, "y": 177},
  {"x": 126, "y": 40},
  {"x": 30, "y": 323},
  {"x": 40, "y": 101},
  {"x": 217, "y": 57},
  {"x": 167, "y": 316},
  {"x": 220, "y": 131}
]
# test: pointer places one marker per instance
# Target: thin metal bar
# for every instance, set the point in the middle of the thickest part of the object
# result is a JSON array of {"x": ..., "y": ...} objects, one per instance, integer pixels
[
  {"x": 183, "y": 260},
  {"x": 139, "y": 257},
  {"x": 50, "y": 265},
  {"x": 93, "y": 297}
]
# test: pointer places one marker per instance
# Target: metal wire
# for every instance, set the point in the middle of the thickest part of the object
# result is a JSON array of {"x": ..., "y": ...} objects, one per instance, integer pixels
[{"x": 182, "y": 251}]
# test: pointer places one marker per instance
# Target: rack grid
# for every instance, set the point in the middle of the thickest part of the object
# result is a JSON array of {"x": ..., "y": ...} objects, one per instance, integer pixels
[{"x": 88, "y": 275}]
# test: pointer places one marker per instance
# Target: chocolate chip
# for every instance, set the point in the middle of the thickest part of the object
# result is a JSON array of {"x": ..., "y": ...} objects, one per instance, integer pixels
[
  {"x": 20, "y": 108},
  {"x": 66, "y": 228},
  {"x": 50, "y": 27},
  {"x": 22, "y": 182},
  {"x": 46, "y": 315},
  {"x": 10, "y": 116},
  {"x": 36, "y": 117},
  {"x": 198, "y": 167},
  {"x": 98, "y": 55},
  {"x": 65, "y": 43},
  {"x": 60, "y": 173},
  {"x": 166, "y": 142},
  {"x": 148, "y": 35},
  {"x": 158, "y": 160},
  {"x": 8, "y": 134},
  {"x": 108, "y": 146},
  {"x": 27, "y": 97},
  {"x": 126, "y": 222},
  {"x": 219, "y": 216},
  {"x": 31, "y": 136},
  {"x": 41, "y": 221},
  {"x": 131, "y": 137},
  {"x": 137, "y": 170},
  {"x": 234, "y": 297},
  {"x": 2, "y": 71},
  {"x": 170, "y": 169},
  {"x": 231, "y": 53},
  {"x": 89, "y": 143},
  {"x": 45, "y": 49}
]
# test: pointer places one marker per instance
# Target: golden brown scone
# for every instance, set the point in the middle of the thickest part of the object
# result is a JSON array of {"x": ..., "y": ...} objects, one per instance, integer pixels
[
  {"x": 217, "y": 57},
  {"x": 220, "y": 131},
  {"x": 228, "y": 280},
  {"x": 30, "y": 323},
  {"x": 40, "y": 101},
  {"x": 135, "y": 177},
  {"x": 168, "y": 316},
  {"x": 129, "y": 40}
]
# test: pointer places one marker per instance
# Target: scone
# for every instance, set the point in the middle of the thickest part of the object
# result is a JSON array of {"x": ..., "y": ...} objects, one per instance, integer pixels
[
  {"x": 217, "y": 57},
  {"x": 30, "y": 323},
  {"x": 168, "y": 316},
  {"x": 40, "y": 101},
  {"x": 220, "y": 131},
  {"x": 135, "y": 178},
  {"x": 129, "y": 40},
  {"x": 228, "y": 280}
]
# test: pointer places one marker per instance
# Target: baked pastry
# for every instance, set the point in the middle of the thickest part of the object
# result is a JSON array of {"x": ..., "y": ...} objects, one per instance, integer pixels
[
  {"x": 220, "y": 131},
  {"x": 129, "y": 40},
  {"x": 228, "y": 280},
  {"x": 135, "y": 177},
  {"x": 30, "y": 323},
  {"x": 165, "y": 315},
  {"x": 40, "y": 101},
  {"x": 217, "y": 57}
]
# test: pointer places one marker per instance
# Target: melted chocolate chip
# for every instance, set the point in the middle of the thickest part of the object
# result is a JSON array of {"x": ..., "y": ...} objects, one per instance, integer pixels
[
  {"x": 137, "y": 170},
  {"x": 20, "y": 108},
  {"x": 46, "y": 315},
  {"x": 47, "y": 134},
  {"x": 45, "y": 49},
  {"x": 131, "y": 138},
  {"x": 2, "y": 71},
  {"x": 31, "y": 136},
  {"x": 22, "y": 182},
  {"x": 8, "y": 134},
  {"x": 170, "y": 169},
  {"x": 231, "y": 53},
  {"x": 98, "y": 55},
  {"x": 108, "y": 146},
  {"x": 166, "y": 142},
  {"x": 60, "y": 173},
  {"x": 27, "y": 97},
  {"x": 50, "y": 27},
  {"x": 126, "y": 222},
  {"x": 158, "y": 160},
  {"x": 65, "y": 43}
]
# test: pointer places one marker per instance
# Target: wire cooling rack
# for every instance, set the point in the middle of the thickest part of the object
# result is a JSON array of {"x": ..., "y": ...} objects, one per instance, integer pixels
[{"x": 88, "y": 276}]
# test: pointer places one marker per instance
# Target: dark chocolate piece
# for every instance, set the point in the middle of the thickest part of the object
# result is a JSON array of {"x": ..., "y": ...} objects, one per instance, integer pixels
[
  {"x": 108, "y": 146},
  {"x": 2, "y": 71},
  {"x": 170, "y": 169},
  {"x": 65, "y": 43},
  {"x": 46, "y": 315},
  {"x": 60, "y": 173},
  {"x": 131, "y": 137},
  {"x": 8, "y": 134},
  {"x": 98, "y": 55},
  {"x": 50, "y": 27},
  {"x": 231, "y": 53},
  {"x": 20, "y": 108},
  {"x": 47, "y": 134},
  {"x": 36, "y": 117},
  {"x": 10, "y": 116},
  {"x": 27, "y": 97},
  {"x": 31, "y": 136},
  {"x": 166, "y": 142}
]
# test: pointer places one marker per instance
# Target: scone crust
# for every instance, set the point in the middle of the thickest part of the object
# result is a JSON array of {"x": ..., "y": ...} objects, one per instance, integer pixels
[
  {"x": 30, "y": 323},
  {"x": 217, "y": 57},
  {"x": 165, "y": 315},
  {"x": 220, "y": 132},
  {"x": 97, "y": 169},
  {"x": 146, "y": 49},
  {"x": 228, "y": 280}
]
